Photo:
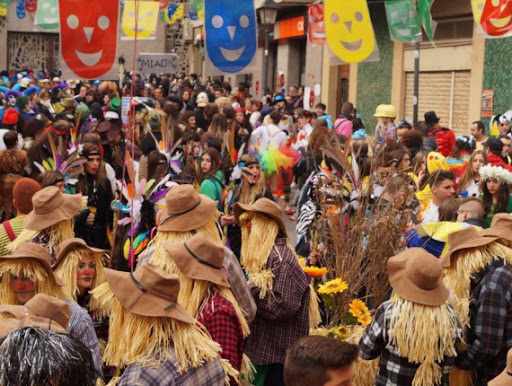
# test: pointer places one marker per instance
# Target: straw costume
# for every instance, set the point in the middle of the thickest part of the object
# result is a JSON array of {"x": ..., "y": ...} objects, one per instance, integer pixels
[
  {"x": 51, "y": 220},
  {"x": 416, "y": 333},
  {"x": 153, "y": 336},
  {"x": 479, "y": 271}
]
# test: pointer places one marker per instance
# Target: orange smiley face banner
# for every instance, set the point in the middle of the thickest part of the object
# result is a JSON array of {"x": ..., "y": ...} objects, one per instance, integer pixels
[{"x": 493, "y": 17}]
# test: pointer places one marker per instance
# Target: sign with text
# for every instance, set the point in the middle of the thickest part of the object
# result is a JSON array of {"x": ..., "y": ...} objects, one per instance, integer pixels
[
  {"x": 290, "y": 28},
  {"x": 487, "y": 103},
  {"x": 158, "y": 63}
]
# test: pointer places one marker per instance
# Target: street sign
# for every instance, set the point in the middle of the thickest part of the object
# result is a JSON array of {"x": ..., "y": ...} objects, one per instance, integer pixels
[{"x": 158, "y": 63}]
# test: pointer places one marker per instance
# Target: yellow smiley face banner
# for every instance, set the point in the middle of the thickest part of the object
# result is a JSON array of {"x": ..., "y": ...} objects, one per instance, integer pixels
[
  {"x": 147, "y": 19},
  {"x": 349, "y": 30},
  {"x": 493, "y": 18}
]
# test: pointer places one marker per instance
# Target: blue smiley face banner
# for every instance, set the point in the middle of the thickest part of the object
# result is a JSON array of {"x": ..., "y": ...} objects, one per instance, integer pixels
[{"x": 230, "y": 28}]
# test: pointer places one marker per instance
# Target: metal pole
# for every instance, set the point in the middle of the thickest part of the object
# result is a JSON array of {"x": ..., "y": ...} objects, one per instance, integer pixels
[
  {"x": 416, "y": 81},
  {"x": 265, "y": 64}
]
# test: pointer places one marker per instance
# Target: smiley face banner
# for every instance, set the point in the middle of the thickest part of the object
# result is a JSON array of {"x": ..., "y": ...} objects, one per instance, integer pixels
[
  {"x": 230, "y": 28},
  {"x": 88, "y": 38},
  {"x": 147, "y": 13},
  {"x": 493, "y": 17},
  {"x": 316, "y": 24},
  {"x": 349, "y": 30},
  {"x": 47, "y": 14},
  {"x": 173, "y": 13},
  {"x": 403, "y": 22}
]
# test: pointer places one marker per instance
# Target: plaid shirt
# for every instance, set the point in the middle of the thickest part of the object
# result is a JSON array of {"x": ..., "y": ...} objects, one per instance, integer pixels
[
  {"x": 490, "y": 311},
  {"x": 394, "y": 369},
  {"x": 81, "y": 327},
  {"x": 282, "y": 316},
  {"x": 220, "y": 319},
  {"x": 210, "y": 373}
]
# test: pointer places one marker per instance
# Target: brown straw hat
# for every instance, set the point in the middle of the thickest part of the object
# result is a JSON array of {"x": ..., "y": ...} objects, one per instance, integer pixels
[
  {"x": 415, "y": 275},
  {"x": 265, "y": 207},
  {"x": 464, "y": 239},
  {"x": 186, "y": 210},
  {"x": 501, "y": 227},
  {"x": 37, "y": 252},
  {"x": 149, "y": 291},
  {"x": 7, "y": 325},
  {"x": 52, "y": 207},
  {"x": 505, "y": 378},
  {"x": 64, "y": 248},
  {"x": 200, "y": 258}
]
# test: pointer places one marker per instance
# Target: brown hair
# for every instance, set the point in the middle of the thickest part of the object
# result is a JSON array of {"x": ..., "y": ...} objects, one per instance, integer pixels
[
  {"x": 101, "y": 174},
  {"x": 216, "y": 163},
  {"x": 347, "y": 108},
  {"x": 219, "y": 126},
  {"x": 448, "y": 210},
  {"x": 474, "y": 207},
  {"x": 49, "y": 178}
]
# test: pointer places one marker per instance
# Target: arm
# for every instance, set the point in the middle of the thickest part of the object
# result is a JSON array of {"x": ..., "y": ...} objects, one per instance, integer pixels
[
  {"x": 208, "y": 189},
  {"x": 372, "y": 342}
]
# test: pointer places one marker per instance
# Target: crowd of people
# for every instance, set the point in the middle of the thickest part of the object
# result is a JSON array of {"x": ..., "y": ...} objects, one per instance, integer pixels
[{"x": 147, "y": 244}]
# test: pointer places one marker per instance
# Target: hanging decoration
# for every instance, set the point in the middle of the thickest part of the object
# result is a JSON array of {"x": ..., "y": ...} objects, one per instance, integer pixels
[
  {"x": 230, "y": 27},
  {"x": 20, "y": 9},
  {"x": 316, "y": 24},
  {"x": 196, "y": 10},
  {"x": 173, "y": 13},
  {"x": 162, "y": 4},
  {"x": 146, "y": 23},
  {"x": 30, "y": 5},
  {"x": 47, "y": 14},
  {"x": 88, "y": 37},
  {"x": 403, "y": 22},
  {"x": 424, "y": 16},
  {"x": 4, "y": 6},
  {"x": 349, "y": 30},
  {"x": 493, "y": 17}
]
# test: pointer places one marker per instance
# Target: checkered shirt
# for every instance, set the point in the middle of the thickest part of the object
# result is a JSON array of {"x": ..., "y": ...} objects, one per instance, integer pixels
[
  {"x": 210, "y": 373},
  {"x": 394, "y": 369},
  {"x": 490, "y": 333},
  {"x": 282, "y": 316}
]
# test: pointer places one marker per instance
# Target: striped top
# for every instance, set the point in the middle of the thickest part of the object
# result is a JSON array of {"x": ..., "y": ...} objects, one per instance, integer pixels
[{"x": 17, "y": 227}]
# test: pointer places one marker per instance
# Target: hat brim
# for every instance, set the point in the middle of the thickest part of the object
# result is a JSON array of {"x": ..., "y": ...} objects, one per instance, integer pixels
[
  {"x": 69, "y": 209},
  {"x": 192, "y": 220},
  {"x": 43, "y": 323},
  {"x": 44, "y": 264},
  {"x": 72, "y": 245},
  {"x": 474, "y": 243},
  {"x": 500, "y": 233},
  {"x": 17, "y": 312},
  {"x": 239, "y": 209},
  {"x": 143, "y": 303},
  {"x": 193, "y": 268},
  {"x": 406, "y": 289},
  {"x": 8, "y": 325}
]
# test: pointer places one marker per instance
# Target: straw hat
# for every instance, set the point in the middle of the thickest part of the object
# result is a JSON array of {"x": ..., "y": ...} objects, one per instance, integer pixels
[
  {"x": 415, "y": 275},
  {"x": 186, "y": 210},
  {"x": 64, "y": 248},
  {"x": 505, "y": 378},
  {"x": 501, "y": 227},
  {"x": 464, "y": 239},
  {"x": 7, "y": 325},
  {"x": 51, "y": 207},
  {"x": 264, "y": 206},
  {"x": 37, "y": 252},
  {"x": 200, "y": 258},
  {"x": 149, "y": 291}
]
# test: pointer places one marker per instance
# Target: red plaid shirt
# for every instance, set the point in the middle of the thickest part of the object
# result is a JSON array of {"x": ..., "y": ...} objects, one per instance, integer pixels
[{"x": 220, "y": 319}]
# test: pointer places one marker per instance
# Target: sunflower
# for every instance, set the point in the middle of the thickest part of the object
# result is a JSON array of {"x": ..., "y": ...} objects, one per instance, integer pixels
[
  {"x": 341, "y": 332},
  {"x": 332, "y": 287},
  {"x": 357, "y": 308},
  {"x": 315, "y": 271},
  {"x": 365, "y": 319},
  {"x": 302, "y": 262}
]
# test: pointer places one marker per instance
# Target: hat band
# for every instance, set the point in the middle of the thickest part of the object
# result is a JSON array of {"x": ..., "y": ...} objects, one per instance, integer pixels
[
  {"x": 145, "y": 290},
  {"x": 199, "y": 259},
  {"x": 172, "y": 216}
]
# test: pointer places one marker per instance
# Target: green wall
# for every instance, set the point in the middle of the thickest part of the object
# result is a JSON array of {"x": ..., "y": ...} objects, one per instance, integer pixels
[{"x": 374, "y": 79}]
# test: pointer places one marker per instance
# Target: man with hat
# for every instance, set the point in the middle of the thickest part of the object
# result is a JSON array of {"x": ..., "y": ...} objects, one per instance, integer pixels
[
  {"x": 444, "y": 137},
  {"x": 479, "y": 271},
  {"x": 152, "y": 335},
  {"x": 278, "y": 284},
  {"x": 493, "y": 147},
  {"x": 416, "y": 333}
]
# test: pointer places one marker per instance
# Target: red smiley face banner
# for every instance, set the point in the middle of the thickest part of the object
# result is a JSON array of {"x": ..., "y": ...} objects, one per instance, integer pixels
[
  {"x": 316, "y": 25},
  {"x": 494, "y": 17},
  {"x": 88, "y": 37}
]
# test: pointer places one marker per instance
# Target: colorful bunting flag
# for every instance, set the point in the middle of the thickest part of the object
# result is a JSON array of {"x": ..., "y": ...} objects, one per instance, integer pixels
[
  {"x": 493, "y": 17},
  {"x": 20, "y": 9},
  {"x": 173, "y": 13},
  {"x": 47, "y": 14},
  {"x": 403, "y": 22},
  {"x": 30, "y": 5},
  {"x": 316, "y": 24},
  {"x": 4, "y": 6},
  {"x": 196, "y": 10},
  {"x": 147, "y": 13},
  {"x": 429, "y": 25}
]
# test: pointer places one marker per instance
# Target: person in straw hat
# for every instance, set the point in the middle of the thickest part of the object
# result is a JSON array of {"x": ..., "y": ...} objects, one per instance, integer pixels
[
  {"x": 501, "y": 227},
  {"x": 206, "y": 294},
  {"x": 479, "y": 271},
  {"x": 416, "y": 333},
  {"x": 505, "y": 377},
  {"x": 278, "y": 284},
  {"x": 50, "y": 222},
  {"x": 186, "y": 214},
  {"x": 27, "y": 272},
  {"x": 153, "y": 336}
]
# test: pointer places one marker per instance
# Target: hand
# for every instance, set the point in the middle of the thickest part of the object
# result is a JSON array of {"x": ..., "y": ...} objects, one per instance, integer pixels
[{"x": 227, "y": 220}]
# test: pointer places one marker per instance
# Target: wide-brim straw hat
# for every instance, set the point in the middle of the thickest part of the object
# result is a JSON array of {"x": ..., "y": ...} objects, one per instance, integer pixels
[
  {"x": 51, "y": 206},
  {"x": 186, "y": 210},
  {"x": 36, "y": 252},
  {"x": 501, "y": 227},
  {"x": 415, "y": 275},
  {"x": 465, "y": 239},
  {"x": 149, "y": 291},
  {"x": 200, "y": 258},
  {"x": 7, "y": 325},
  {"x": 505, "y": 378},
  {"x": 265, "y": 207},
  {"x": 66, "y": 246}
]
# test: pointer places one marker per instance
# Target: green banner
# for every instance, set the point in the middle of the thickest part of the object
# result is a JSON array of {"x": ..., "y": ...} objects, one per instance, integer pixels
[
  {"x": 403, "y": 21},
  {"x": 428, "y": 24}
]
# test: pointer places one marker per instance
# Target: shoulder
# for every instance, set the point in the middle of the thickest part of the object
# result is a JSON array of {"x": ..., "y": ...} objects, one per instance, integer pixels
[
  {"x": 499, "y": 279},
  {"x": 78, "y": 314}
]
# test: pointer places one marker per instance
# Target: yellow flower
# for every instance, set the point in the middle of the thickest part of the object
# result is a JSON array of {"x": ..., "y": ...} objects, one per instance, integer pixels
[
  {"x": 332, "y": 287},
  {"x": 365, "y": 319},
  {"x": 357, "y": 308},
  {"x": 341, "y": 332},
  {"x": 315, "y": 271}
]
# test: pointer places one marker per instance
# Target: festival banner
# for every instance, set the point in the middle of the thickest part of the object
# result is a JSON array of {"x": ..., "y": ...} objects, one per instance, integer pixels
[
  {"x": 493, "y": 17},
  {"x": 196, "y": 11},
  {"x": 230, "y": 28},
  {"x": 47, "y": 14},
  {"x": 4, "y": 6},
  {"x": 424, "y": 16},
  {"x": 20, "y": 9},
  {"x": 173, "y": 13},
  {"x": 147, "y": 18},
  {"x": 349, "y": 30},
  {"x": 88, "y": 38},
  {"x": 316, "y": 24},
  {"x": 30, "y": 5},
  {"x": 404, "y": 25}
]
